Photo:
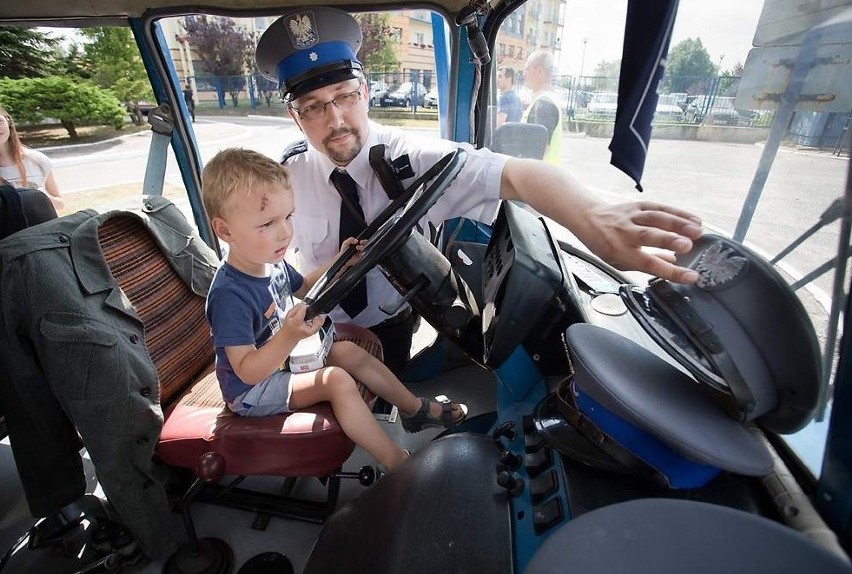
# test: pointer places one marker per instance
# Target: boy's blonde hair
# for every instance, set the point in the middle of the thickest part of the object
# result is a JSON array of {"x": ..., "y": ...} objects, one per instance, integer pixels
[{"x": 237, "y": 170}]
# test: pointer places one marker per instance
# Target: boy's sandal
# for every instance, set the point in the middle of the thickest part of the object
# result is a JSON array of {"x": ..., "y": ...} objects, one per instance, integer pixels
[{"x": 423, "y": 418}]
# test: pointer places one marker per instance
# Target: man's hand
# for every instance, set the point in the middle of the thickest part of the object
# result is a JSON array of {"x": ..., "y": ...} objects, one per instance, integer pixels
[
  {"x": 359, "y": 249},
  {"x": 617, "y": 234}
]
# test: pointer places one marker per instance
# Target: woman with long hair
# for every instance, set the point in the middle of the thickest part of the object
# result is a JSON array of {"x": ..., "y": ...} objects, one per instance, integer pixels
[{"x": 25, "y": 167}]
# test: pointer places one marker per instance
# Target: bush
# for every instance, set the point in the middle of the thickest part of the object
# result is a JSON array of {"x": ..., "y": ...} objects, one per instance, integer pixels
[{"x": 68, "y": 100}]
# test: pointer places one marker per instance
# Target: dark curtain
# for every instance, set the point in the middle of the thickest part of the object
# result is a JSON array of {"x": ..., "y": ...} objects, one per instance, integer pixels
[{"x": 646, "y": 43}]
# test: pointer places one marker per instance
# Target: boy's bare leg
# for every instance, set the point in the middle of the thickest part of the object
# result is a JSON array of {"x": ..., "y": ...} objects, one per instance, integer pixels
[
  {"x": 337, "y": 387},
  {"x": 377, "y": 377}
]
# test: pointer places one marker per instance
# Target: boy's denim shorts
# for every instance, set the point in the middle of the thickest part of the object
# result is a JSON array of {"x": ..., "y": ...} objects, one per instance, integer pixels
[{"x": 269, "y": 397}]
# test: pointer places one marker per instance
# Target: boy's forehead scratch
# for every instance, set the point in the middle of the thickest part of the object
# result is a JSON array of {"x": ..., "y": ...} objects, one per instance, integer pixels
[{"x": 264, "y": 201}]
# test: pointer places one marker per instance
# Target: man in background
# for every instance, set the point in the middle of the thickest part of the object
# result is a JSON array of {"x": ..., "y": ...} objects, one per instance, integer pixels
[
  {"x": 509, "y": 106},
  {"x": 543, "y": 108},
  {"x": 189, "y": 99}
]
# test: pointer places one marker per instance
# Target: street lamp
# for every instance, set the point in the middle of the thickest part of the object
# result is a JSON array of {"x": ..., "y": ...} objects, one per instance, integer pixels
[{"x": 583, "y": 58}]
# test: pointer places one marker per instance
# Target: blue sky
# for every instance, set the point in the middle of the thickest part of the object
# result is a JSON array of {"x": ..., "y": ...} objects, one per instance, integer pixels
[{"x": 726, "y": 28}]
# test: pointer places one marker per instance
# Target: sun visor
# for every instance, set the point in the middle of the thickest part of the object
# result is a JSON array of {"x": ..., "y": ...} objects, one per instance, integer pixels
[{"x": 740, "y": 331}]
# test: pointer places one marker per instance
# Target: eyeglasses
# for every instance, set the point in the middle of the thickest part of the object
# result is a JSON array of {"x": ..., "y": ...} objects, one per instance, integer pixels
[{"x": 341, "y": 102}]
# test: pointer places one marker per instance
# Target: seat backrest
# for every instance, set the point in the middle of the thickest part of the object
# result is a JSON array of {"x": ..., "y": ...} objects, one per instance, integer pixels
[
  {"x": 177, "y": 335},
  {"x": 520, "y": 139}
]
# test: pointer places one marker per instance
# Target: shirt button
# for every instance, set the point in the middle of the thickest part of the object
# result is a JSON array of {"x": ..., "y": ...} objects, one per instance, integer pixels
[
  {"x": 63, "y": 239},
  {"x": 142, "y": 441},
  {"x": 145, "y": 391},
  {"x": 134, "y": 338}
]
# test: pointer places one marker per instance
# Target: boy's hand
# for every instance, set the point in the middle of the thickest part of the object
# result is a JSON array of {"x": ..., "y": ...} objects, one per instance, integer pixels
[{"x": 294, "y": 322}]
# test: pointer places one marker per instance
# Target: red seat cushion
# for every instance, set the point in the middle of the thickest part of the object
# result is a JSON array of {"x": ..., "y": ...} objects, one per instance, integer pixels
[
  {"x": 304, "y": 443},
  {"x": 308, "y": 442}
]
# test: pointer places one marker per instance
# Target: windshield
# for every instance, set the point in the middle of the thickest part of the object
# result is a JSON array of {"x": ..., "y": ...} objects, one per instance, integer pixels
[{"x": 710, "y": 127}]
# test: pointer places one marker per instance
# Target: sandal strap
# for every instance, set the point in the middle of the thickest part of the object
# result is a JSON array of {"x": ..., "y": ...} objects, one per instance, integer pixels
[{"x": 446, "y": 415}]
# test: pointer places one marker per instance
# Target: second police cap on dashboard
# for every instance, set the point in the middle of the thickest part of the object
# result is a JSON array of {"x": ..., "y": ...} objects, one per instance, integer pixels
[
  {"x": 741, "y": 331},
  {"x": 310, "y": 48}
]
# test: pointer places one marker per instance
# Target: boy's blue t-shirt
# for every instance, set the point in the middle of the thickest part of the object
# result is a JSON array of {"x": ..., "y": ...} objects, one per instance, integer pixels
[{"x": 237, "y": 306}]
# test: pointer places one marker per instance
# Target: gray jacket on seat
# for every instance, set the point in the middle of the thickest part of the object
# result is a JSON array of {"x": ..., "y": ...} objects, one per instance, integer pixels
[{"x": 73, "y": 352}]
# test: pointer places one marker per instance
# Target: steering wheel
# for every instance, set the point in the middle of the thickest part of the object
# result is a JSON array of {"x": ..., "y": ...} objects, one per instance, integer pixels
[{"x": 384, "y": 235}]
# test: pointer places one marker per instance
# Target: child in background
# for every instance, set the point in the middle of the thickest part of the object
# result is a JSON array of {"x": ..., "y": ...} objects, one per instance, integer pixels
[{"x": 255, "y": 323}]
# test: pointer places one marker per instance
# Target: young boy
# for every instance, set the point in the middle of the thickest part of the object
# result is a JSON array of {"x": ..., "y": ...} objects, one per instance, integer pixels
[{"x": 255, "y": 323}]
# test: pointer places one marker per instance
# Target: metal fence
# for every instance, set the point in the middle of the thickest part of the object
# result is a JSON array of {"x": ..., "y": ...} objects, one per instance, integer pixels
[
  {"x": 400, "y": 88},
  {"x": 682, "y": 100}
]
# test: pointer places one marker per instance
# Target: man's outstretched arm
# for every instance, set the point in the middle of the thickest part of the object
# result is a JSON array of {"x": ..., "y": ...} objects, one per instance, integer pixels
[{"x": 616, "y": 233}]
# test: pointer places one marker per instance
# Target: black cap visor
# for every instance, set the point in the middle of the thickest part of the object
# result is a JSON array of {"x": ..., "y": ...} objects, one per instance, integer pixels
[{"x": 317, "y": 78}]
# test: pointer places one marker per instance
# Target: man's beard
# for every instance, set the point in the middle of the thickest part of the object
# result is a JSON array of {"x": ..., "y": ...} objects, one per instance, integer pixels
[{"x": 343, "y": 156}]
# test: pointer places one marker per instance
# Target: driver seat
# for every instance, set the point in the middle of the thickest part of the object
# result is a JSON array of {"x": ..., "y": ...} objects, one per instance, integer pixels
[
  {"x": 521, "y": 139},
  {"x": 198, "y": 427}
]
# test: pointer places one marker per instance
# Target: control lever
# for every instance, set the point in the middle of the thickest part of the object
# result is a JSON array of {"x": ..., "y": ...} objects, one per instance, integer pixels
[
  {"x": 506, "y": 429},
  {"x": 511, "y": 481},
  {"x": 366, "y": 475},
  {"x": 510, "y": 460}
]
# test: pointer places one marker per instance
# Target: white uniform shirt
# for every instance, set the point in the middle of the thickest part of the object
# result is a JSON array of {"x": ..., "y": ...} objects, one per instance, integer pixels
[
  {"x": 475, "y": 194},
  {"x": 37, "y": 165}
]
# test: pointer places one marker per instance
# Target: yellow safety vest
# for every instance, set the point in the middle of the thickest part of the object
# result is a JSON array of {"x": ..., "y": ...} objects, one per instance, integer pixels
[{"x": 553, "y": 153}]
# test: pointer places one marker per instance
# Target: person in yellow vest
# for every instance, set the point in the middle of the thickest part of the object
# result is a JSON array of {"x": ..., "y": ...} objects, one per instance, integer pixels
[{"x": 543, "y": 108}]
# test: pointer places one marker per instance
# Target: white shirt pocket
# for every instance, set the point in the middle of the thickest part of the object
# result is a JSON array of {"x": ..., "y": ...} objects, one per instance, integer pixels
[{"x": 313, "y": 241}]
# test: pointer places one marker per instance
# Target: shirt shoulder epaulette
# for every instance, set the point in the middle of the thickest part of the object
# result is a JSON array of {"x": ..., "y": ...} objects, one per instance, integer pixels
[{"x": 294, "y": 149}]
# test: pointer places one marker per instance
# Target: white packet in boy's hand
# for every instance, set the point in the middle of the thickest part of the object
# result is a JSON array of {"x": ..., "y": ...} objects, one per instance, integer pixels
[{"x": 311, "y": 352}]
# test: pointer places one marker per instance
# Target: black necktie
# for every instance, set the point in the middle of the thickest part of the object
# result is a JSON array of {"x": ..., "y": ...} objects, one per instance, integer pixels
[{"x": 351, "y": 225}]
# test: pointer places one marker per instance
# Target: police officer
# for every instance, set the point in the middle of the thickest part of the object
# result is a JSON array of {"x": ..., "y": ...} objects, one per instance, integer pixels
[{"x": 312, "y": 54}]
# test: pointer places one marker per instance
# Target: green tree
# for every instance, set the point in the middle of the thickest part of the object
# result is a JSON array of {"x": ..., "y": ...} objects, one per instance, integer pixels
[
  {"x": 73, "y": 103},
  {"x": 604, "y": 79},
  {"x": 72, "y": 63},
  {"x": 26, "y": 53},
  {"x": 377, "y": 49},
  {"x": 267, "y": 89},
  {"x": 688, "y": 68},
  {"x": 111, "y": 56},
  {"x": 608, "y": 69},
  {"x": 224, "y": 50}
]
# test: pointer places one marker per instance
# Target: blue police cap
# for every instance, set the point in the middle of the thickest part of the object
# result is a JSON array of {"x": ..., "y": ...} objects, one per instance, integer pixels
[{"x": 310, "y": 48}]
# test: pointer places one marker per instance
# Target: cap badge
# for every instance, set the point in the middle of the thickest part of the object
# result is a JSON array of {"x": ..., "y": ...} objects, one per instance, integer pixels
[
  {"x": 719, "y": 265},
  {"x": 302, "y": 32}
]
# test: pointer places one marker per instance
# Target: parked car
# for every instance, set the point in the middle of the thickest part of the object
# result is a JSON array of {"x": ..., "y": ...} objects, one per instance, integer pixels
[
  {"x": 668, "y": 108},
  {"x": 720, "y": 110},
  {"x": 430, "y": 100},
  {"x": 603, "y": 105},
  {"x": 405, "y": 95},
  {"x": 378, "y": 89}
]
